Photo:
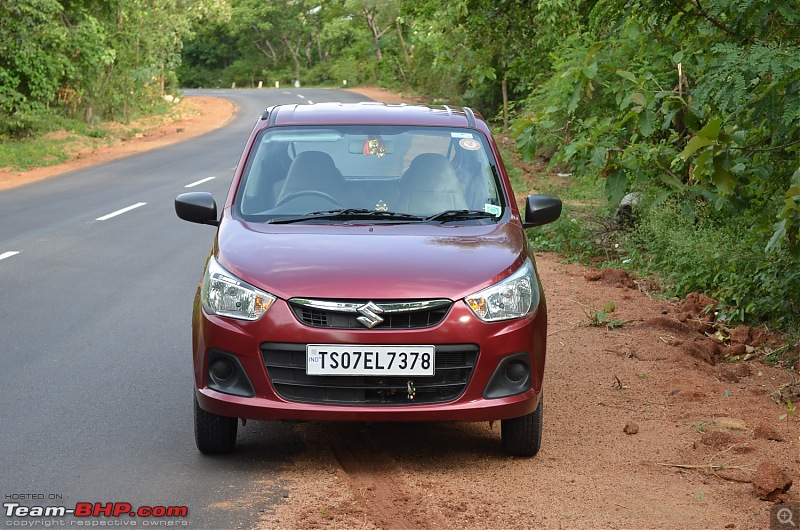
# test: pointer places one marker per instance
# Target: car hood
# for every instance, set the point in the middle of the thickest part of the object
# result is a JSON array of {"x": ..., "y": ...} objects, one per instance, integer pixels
[{"x": 370, "y": 261}]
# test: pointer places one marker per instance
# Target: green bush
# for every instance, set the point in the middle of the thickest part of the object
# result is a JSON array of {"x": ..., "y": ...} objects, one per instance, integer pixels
[
  {"x": 571, "y": 236},
  {"x": 702, "y": 250}
]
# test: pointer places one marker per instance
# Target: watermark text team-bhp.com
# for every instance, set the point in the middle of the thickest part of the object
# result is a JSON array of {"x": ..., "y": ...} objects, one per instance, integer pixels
[{"x": 22, "y": 510}]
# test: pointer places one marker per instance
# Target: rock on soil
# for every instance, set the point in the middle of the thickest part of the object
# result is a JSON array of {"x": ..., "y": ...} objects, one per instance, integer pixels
[
  {"x": 734, "y": 373},
  {"x": 717, "y": 439},
  {"x": 631, "y": 428},
  {"x": 731, "y": 424},
  {"x": 770, "y": 481},
  {"x": 706, "y": 349},
  {"x": 764, "y": 431}
]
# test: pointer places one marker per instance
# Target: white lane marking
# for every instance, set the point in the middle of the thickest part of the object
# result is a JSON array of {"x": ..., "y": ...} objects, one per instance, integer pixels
[
  {"x": 5, "y": 255},
  {"x": 310, "y": 102},
  {"x": 120, "y": 212},
  {"x": 301, "y": 96},
  {"x": 201, "y": 181}
]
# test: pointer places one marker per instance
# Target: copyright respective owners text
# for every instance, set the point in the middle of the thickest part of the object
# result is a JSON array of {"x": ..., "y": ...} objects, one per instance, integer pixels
[
  {"x": 785, "y": 516},
  {"x": 52, "y": 510}
]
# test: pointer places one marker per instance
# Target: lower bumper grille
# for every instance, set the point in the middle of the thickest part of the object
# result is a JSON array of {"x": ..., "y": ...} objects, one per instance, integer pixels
[{"x": 286, "y": 367}]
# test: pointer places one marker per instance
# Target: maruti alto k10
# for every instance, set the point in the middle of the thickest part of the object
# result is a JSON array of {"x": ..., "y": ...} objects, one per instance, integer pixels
[{"x": 370, "y": 264}]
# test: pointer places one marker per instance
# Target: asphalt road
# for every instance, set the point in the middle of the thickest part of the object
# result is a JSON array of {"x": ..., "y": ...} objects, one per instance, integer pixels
[{"x": 97, "y": 277}]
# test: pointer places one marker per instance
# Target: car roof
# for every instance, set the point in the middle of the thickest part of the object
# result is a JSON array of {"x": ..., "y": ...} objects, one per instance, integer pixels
[{"x": 372, "y": 113}]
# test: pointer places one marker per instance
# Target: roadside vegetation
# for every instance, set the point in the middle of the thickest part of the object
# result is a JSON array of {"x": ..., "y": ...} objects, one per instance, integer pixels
[
  {"x": 76, "y": 74},
  {"x": 686, "y": 111}
]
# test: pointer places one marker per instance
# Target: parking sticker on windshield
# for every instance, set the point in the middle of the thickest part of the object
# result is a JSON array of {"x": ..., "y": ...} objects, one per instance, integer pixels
[
  {"x": 460, "y": 135},
  {"x": 470, "y": 144},
  {"x": 492, "y": 209}
]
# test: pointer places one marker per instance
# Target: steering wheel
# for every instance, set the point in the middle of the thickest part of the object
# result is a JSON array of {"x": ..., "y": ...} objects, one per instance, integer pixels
[{"x": 302, "y": 193}]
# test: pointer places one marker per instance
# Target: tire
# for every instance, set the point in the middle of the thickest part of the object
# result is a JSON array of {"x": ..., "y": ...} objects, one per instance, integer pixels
[
  {"x": 213, "y": 434},
  {"x": 523, "y": 436}
]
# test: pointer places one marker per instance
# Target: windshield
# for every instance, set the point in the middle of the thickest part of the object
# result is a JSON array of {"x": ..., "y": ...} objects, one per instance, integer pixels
[{"x": 354, "y": 171}]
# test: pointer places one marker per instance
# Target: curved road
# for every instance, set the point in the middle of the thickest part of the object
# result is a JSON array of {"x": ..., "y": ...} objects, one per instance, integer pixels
[{"x": 97, "y": 277}]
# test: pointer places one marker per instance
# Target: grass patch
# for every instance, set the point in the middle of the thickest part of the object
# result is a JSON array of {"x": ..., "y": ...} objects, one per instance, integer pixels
[
  {"x": 58, "y": 139},
  {"x": 52, "y": 147},
  {"x": 27, "y": 154}
]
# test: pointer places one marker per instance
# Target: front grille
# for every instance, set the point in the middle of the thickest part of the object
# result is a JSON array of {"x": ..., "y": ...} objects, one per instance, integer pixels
[
  {"x": 393, "y": 315},
  {"x": 329, "y": 319},
  {"x": 286, "y": 367}
]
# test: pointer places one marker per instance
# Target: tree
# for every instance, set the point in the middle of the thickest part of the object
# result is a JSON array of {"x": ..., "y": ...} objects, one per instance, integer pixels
[
  {"x": 32, "y": 61},
  {"x": 96, "y": 59}
]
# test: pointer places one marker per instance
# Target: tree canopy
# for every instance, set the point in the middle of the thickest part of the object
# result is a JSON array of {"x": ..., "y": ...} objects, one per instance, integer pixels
[{"x": 97, "y": 59}]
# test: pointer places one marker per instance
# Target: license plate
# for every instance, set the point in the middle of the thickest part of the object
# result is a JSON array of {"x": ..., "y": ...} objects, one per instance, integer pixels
[{"x": 361, "y": 359}]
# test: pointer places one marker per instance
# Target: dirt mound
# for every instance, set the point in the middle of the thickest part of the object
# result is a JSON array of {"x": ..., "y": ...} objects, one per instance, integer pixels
[
  {"x": 755, "y": 337},
  {"x": 697, "y": 305},
  {"x": 693, "y": 328},
  {"x": 706, "y": 349},
  {"x": 614, "y": 277},
  {"x": 717, "y": 439},
  {"x": 764, "y": 431}
]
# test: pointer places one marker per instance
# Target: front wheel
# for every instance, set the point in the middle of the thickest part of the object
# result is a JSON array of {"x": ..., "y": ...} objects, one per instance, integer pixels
[
  {"x": 213, "y": 434},
  {"x": 523, "y": 436}
]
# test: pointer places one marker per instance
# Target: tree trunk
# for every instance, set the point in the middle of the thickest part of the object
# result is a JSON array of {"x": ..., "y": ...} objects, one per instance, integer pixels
[
  {"x": 403, "y": 45},
  {"x": 295, "y": 53},
  {"x": 373, "y": 27},
  {"x": 309, "y": 44},
  {"x": 269, "y": 53},
  {"x": 504, "y": 85}
]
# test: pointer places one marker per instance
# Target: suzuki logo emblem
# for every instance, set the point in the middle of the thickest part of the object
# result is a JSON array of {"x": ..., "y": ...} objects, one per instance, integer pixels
[{"x": 370, "y": 314}]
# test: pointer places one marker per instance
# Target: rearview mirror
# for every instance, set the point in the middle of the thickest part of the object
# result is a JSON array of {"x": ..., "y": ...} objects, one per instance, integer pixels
[{"x": 356, "y": 147}]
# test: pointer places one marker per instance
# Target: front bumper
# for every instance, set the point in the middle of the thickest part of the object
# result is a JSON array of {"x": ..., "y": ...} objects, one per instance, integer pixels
[{"x": 250, "y": 343}]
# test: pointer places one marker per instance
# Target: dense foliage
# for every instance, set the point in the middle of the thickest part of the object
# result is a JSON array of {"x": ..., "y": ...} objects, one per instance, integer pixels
[
  {"x": 696, "y": 105},
  {"x": 91, "y": 59},
  {"x": 692, "y": 104}
]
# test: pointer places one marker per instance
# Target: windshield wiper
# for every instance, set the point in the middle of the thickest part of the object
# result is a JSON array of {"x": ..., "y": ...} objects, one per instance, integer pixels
[
  {"x": 347, "y": 214},
  {"x": 454, "y": 215}
]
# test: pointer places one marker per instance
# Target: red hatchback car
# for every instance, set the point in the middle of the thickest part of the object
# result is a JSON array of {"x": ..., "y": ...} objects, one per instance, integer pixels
[{"x": 370, "y": 264}]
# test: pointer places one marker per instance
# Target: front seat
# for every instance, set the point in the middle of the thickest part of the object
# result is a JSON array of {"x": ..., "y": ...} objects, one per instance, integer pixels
[
  {"x": 430, "y": 186},
  {"x": 313, "y": 171}
]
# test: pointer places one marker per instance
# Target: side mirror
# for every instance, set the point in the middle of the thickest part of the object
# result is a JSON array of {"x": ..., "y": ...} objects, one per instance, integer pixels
[
  {"x": 197, "y": 207},
  {"x": 541, "y": 210}
]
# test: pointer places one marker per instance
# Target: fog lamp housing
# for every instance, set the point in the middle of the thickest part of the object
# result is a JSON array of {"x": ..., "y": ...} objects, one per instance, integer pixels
[
  {"x": 511, "y": 377},
  {"x": 227, "y": 375}
]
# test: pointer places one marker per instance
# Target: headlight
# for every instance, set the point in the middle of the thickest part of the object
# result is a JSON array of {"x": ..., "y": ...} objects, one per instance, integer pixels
[
  {"x": 513, "y": 297},
  {"x": 226, "y": 295}
]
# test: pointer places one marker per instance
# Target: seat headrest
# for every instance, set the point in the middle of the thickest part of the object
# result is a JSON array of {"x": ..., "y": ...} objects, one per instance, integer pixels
[
  {"x": 430, "y": 172},
  {"x": 313, "y": 170}
]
